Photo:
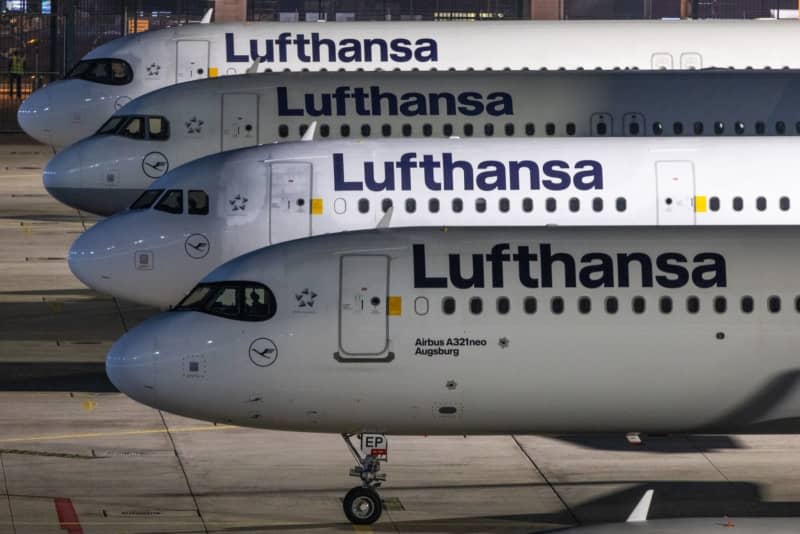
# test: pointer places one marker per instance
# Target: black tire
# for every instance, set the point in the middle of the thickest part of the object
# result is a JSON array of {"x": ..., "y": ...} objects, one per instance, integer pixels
[{"x": 362, "y": 506}]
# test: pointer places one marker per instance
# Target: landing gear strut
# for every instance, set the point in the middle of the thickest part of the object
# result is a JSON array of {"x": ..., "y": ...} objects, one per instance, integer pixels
[{"x": 362, "y": 504}]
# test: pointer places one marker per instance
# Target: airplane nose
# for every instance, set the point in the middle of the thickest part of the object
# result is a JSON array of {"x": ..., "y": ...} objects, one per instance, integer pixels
[
  {"x": 34, "y": 115},
  {"x": 131, "y": 366},
  {"x": 91, "y": 257},
  {"x": 62, "y": 177}
]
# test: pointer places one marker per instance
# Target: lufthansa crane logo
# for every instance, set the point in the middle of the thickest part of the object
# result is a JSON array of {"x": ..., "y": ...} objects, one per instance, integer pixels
[
  {"x": 263, "y": 352},
  {"x": 197, "y": 246},
  {"x": 155, "y": 165}
]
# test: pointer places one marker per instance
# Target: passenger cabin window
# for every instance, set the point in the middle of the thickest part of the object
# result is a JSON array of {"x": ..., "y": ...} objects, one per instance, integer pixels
[
  {"x": 448, "y": 305},
  {"x": 146, "y": 199},
  {"x": 475, "y": 305},
  {"x": 529, "y": 304},
  {"x": 503, "y": 305},
  {"x": 242, "y": 301},
  {"x": 105, "y": 71},
  {"x": 658, "y": 128},
  {"x": 363, "y": 205},
  {"x": 171, "y": 202},
  {"x": 198, "y": 202},
  {"x": 433, "y": 205}
]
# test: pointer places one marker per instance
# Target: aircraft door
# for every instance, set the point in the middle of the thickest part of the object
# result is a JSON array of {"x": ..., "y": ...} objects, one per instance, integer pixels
[
  {"x": 239, "y": 121},
  {"x": 192, "y": 61},
  {"x": 602, "y": 124},
  {"x": 290, "y": 201},
  {"x": 363, "y": 318},
  {"x": 675, "y": 192}
]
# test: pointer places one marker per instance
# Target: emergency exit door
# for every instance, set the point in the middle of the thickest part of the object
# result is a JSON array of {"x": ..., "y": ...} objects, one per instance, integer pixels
[
  {"x": 363, "y": 293},
  {"x": 675, "y": 192},
  {"x": 192, "y": 63},
  {"x": 290, "y": 201},
  {"x": 239, "y": 120}
]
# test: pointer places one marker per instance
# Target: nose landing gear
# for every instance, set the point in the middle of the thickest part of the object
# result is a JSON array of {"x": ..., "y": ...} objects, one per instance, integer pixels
[{"x": 362, "y": 505}]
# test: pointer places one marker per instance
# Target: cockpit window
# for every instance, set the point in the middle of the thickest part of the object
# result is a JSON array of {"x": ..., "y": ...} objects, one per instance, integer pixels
[
  {"x": 198, "y": 203},
  {"x": 133, "y": 128},
  {"x": 107, "y": 71},
  {"x": 157, "y": 128},
  {"x": 242, "y": 301},
  {"x": 154, "y": 128},
  {"x": 111, "y": 126},
  {"x": 172, "y": 202},
  {"x": 146, "y": 199}
]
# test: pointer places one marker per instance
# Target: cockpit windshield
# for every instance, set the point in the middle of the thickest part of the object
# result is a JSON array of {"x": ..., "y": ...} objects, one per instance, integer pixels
[
  {"x": 146, "y": 199},
  {"x": 241, "y": 301},
  {"x": 153, "y": 128},
  {"x": 107, "y": 71}
]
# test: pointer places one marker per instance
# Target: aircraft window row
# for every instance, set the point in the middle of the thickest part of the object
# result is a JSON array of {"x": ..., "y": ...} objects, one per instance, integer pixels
[
  {"x": 153, "y": 128},
  {"x": 172, "y": 201},
  {"x": 106, "y": 71},
  {"x": 611, "y": 305},
  {"x": 737, "y": 203},
  {"x": 503, "y": 205},
  {"x": 601, "y": 128},
  {"x": 242, "y": 301}
]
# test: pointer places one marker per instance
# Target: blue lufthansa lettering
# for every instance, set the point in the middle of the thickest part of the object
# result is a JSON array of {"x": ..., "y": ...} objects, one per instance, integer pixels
[
  {"x": 546, "y": 268},
  {"x": 373, "y": 101},
  {"x": 315, "y": 48},
  {"x": 444, "y": 172}
]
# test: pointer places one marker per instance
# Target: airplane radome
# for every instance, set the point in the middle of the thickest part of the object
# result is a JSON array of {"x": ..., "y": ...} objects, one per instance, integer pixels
[
  {"x": 104, "y": 173},
  {"x": 113, "y": 74},
  {"x": 558, "y": 330},
  {"x": 211, "y": 210}
]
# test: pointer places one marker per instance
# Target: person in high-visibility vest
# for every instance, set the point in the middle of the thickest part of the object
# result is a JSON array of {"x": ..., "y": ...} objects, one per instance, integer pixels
[{"x": 16, "y": 68}]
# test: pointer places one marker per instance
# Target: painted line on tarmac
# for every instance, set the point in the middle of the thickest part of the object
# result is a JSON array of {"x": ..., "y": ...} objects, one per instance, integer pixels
[
  {"x": 67, "y": 516},
  {"x": 143, "y": 432}
]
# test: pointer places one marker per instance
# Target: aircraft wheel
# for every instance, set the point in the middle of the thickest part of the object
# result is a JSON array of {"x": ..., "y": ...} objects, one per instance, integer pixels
[{"x": 362, "y": 506}]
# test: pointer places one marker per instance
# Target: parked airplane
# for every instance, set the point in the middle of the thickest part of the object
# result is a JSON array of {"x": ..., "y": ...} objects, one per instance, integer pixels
[
  {"x": 484, "y": 331},
  {"x": 121, "y": 70},
  {"x": 214, "y": 209},
  {"x": 639, "y": 523},
  {"x": 157, "y": 132}
]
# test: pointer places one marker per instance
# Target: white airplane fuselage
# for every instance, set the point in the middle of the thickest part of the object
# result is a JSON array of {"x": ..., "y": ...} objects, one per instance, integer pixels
[
  {"x": 275, "y": 193},
  {"x": 74, "y": 108},
  {"x": 105, "y": 173},
  {"x": 486, "y": 330}
]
